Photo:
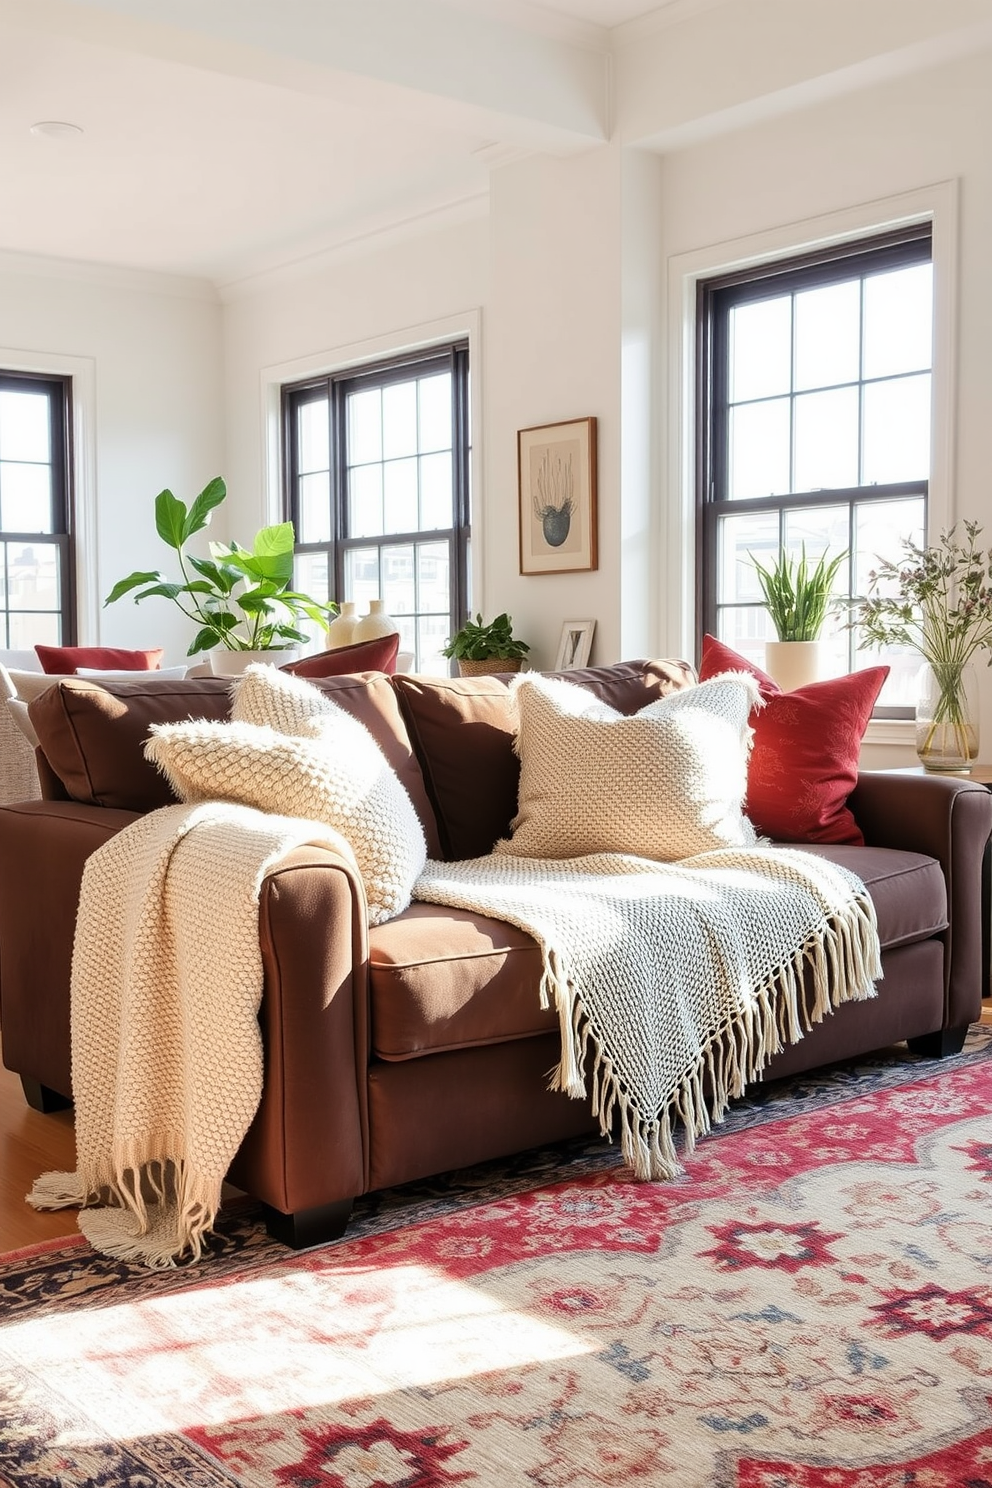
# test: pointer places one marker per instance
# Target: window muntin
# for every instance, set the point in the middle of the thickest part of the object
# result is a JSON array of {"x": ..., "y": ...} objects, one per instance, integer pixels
[
  {"x": 814, "y": 391},
  {"x": 378, "y": 478},
  {"x": 35, "y": 542}
]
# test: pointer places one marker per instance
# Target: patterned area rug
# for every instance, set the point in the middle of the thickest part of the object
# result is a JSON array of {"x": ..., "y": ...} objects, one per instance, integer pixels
[{"x": 809, "y": 1307}]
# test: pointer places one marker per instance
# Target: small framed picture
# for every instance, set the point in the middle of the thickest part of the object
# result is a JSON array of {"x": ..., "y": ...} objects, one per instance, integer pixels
[
  {"x": 556, "y": 469},
  {"x": 575, "y": 644}
]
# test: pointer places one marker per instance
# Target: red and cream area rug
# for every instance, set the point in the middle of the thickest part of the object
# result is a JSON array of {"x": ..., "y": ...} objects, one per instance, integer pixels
[{"x": 810, "y": 1307}]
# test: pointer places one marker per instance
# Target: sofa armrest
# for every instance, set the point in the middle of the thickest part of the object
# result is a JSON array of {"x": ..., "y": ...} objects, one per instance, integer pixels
[
  {"x": 43, "y": 847},
  {"x": 948, "y": 818},
  {"x": 308, "y": 1144}
]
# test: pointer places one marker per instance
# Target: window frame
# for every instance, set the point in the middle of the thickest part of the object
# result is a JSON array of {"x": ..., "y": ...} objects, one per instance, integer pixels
[
  {"x": 62, "y": 535},
  {"x": 336, "y": 386},
  {"x": 715, "y": 296}
]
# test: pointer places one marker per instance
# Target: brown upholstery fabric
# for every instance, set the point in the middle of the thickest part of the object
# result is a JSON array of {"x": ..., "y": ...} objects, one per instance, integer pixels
[
  {"x": 91, "y": 734},
  {"x": 448, "y": 1110},
  {"x": 43, "y": 846},
  {"x": 462, "y": 729},
  {"x": 442, "y": 979},
  {"x": 445, "y": 978},
  {"x": 907, "y": 889}
]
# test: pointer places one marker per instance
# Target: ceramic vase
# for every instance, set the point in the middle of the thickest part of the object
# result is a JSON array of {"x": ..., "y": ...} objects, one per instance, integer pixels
[
  {"x": 792, "y": 664},
  {"x": 375, "y": 624},
  {"x": 947, "y": 716},
  {"x": 341, "y": 631}
]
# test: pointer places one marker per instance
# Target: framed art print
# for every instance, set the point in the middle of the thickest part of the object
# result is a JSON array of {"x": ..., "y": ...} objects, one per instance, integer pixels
[
  {"x": 556, "y": 473},
  {"x": 575, "y": 644}
]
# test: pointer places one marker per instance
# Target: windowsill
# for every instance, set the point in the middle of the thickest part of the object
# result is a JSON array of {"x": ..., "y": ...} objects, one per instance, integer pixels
[{"x": 891, "y": 731}]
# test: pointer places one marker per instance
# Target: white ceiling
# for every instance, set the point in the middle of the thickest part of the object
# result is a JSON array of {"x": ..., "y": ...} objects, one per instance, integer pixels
[
  {"x": 222, "y": 138},
  {"x": 217, "y": 147}
]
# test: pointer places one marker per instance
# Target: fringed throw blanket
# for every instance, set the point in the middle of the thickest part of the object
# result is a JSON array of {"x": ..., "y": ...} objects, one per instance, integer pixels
[
  {"x": 166, "y": 1048},
  {"x": 679, "y": 980}
]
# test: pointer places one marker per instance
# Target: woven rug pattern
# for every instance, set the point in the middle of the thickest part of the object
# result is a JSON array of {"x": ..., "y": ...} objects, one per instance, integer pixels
[{"x": 809, "y": 1307}]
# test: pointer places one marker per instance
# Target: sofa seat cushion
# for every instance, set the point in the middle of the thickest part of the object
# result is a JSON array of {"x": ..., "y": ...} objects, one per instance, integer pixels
[
  {"x": 907, "y": 889},
  {"x": 444, "y": 979}
]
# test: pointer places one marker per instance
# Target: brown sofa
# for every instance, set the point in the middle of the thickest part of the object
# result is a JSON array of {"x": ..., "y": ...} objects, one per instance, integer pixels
[{"x": 421, "y": 1046}]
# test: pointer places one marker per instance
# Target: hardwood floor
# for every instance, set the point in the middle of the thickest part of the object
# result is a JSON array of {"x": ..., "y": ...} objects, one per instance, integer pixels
[{"x": 30, "y": 1144}]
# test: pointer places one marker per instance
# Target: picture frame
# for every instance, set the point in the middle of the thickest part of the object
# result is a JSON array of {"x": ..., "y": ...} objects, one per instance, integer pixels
[
  {"x": 556, "y": 483},
  {"x": 574, "y": 644}
]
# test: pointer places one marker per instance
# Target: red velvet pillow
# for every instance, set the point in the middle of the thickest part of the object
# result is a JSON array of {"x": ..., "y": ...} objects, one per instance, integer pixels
[
  {"x": 364, "y": 656},
  {"x": 804, "y": 759},
  {"x": 65, "y": 659}
]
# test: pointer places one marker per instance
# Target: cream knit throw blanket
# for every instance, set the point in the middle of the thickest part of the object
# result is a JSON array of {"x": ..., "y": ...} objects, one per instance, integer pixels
[
  {"x": 166, "y": 1047},
  {"x": 679, "y": 980}
]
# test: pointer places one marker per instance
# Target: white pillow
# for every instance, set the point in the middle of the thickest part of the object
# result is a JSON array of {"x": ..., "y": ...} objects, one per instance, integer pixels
[
  {"x": 665, "y": 783},
  {"x": 95, "y": 673},
  {"x": 338, "y": 776}
]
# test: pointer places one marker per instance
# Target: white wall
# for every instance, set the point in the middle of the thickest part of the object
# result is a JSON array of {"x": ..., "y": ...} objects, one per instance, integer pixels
[{"x": 147, "y": 355}]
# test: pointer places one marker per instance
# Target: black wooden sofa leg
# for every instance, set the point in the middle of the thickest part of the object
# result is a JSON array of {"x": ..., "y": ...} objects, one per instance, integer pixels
[
  {"x": 40, "y": 1098},
  {"x": 940, "y": 1044},
  {"x": 308, "y": 1226}
]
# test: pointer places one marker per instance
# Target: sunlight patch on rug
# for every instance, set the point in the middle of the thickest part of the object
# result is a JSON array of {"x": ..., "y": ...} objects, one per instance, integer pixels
[{"x": 278, "y": 1344}]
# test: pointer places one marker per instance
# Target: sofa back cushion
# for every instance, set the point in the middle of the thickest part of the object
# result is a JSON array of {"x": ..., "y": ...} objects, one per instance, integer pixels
[
  {"x": 93, "y": 736},
  {"x": 462, "y": 729}
]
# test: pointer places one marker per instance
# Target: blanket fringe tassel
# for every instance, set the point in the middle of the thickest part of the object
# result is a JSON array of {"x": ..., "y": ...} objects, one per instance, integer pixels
[
  {"x": 841, "y": 954},
  {"x": 152, "y": 1210}
]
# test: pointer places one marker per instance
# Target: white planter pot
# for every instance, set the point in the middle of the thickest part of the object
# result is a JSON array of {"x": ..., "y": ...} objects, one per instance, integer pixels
[
  {"x": 226, "y": 663},
  {"x": 792, "y": 664}
]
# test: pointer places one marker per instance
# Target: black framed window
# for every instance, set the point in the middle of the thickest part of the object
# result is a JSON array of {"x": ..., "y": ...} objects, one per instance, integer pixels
[
  {"x": 814, "y": 399},
  {"x": 36, "y": 556},
  {"x": 378, "y": 488}
]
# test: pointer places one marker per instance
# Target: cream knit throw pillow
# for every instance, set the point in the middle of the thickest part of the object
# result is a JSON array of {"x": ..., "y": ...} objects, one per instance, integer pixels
[
  {"x": 334, "y": 773},
  {"x": 665, "y": 783},
  {"x": 278, "y": 700}
]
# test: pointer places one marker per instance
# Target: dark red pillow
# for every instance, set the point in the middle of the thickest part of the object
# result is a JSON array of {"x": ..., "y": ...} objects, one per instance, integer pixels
[
  {"x": 804, "y": 758},
  {"x": 364, "y": 656},
  {"x": 63, "y": 660}
]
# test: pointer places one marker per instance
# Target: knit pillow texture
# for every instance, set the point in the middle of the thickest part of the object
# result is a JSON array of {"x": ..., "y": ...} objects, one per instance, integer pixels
[
  {"x": 329, "y": 769},
  {"x": 807, "y": 743},
  {"x": 665, "y": 783}
]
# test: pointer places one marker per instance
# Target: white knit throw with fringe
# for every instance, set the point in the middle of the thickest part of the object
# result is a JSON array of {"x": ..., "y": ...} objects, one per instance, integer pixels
[
  {"x": 166, "y": 1046},
  {"x": 676, "y": 981}
]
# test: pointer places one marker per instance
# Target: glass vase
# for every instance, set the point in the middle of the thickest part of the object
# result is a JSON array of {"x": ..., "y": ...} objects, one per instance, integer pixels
[{"x": 947, "y": 716}]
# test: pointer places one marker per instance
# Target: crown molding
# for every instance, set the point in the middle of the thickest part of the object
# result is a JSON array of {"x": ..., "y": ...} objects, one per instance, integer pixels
[
  {"x": 373, "y": 238},
  {"x": 539, "y": 20},
  {"x": 669, "y": 14},
  {"x": 108, "y": 276}
]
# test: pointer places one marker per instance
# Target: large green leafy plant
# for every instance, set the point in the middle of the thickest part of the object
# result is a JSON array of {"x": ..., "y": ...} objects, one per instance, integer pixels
[{"x": 241, "y": 599}]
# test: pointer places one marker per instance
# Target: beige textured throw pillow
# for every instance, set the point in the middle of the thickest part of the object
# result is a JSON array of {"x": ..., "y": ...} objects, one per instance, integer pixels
[
  {"x": 665, "y": 783},
  {"x": 337, "y": 776},
  {"x": 265, "y": 695}
]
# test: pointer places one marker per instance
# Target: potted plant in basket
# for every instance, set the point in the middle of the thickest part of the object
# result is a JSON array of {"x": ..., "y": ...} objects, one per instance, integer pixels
[
  {"x": 241, "y": 599},
  {"x": 483, "y": 650},
  {"x": 797, "y": 596},
  {"x": 939, "y": 601}
]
